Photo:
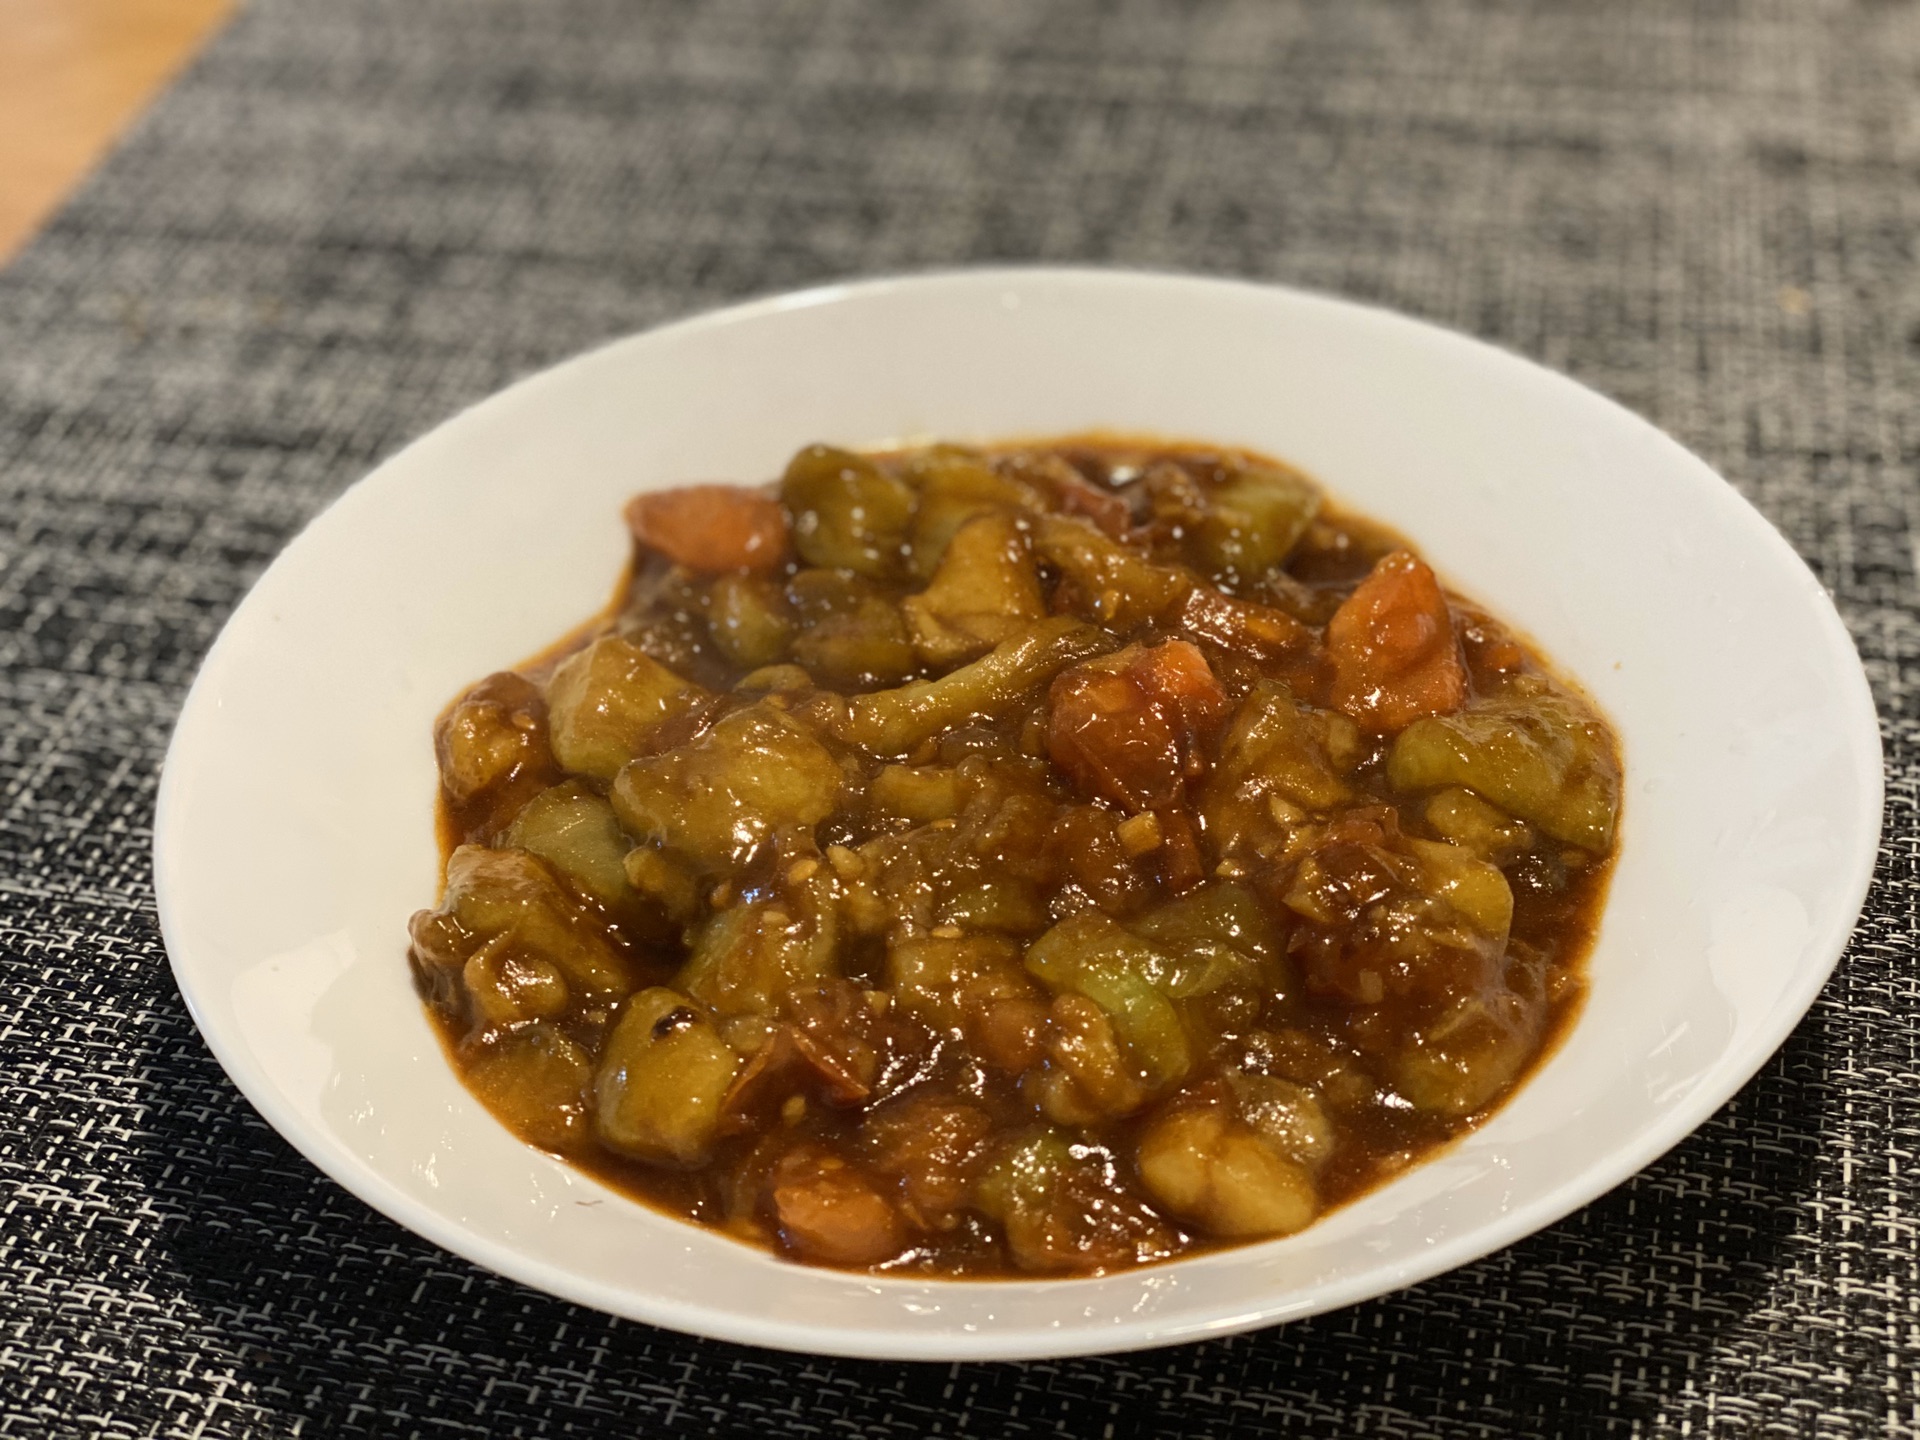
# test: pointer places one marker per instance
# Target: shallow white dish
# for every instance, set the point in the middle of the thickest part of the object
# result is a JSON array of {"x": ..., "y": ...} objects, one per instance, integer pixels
[{"x": 295, "y": 835}]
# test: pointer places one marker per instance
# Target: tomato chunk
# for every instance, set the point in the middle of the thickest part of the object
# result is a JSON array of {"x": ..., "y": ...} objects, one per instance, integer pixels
[
  {"x": 829, "y": 1211},
  {"x": 1124, "y": 727},
  {"x": 1395, "y": 657},
  {"x": 1177, "y": 675},
  {"x": 711, "y": 527}
]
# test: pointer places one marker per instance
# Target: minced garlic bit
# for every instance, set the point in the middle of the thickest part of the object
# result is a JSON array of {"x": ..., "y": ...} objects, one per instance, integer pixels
[{"x": 1139, "y": 833}]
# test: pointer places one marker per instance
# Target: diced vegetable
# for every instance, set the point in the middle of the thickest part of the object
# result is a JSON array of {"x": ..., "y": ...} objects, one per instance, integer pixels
[
  {"x": 1216, "y": 934},
  {"x": 748, "y": 617},
  {"x": 866, "y": 644},
  {"x": 1276, "y": 750},
  {"x": 1207, "y": 1166},
  {"x": 711, "y": 527},
  {"x": 984, "y": 590},
  {"x": 1093, "y": 1075},
  {"x": 848, "y": 513},
  {"x": 1176, "y": 676},
  {"x": 1242, "y": 625},
  {"x": 1092, "y": 955},
  {"x": 718, "y": 798},
  {"x": 942, "y": 977},
  {"x": 1464, "y": 818},
  {"x": 1534, "y": 753},
  {"x": 831, "y": 1212},
  {"x": 1112, "y": 740},
  {"x": 1466, "y": 882},
  {"x": 492, "y": 747},
  {"x": 666, "y": 880},
  {"x": 1286, "y": 1115},
  {"x": 1462, "y": 1061},
  {"x": 932, "y": 1147},
  {"x": 775, "y": 679},
  {"x": 606, "y": 701},
  {"x": 575, "y": 832},
  {"x": 994, "y": 901},
  {"x": 507, "y": 985},
  {"x": 1395, "y": 656},
  {"x": 744, "y": 958},
  {"x": 920, "y": 793},
  {"x": 1394, "y": 918},
  {"x": 495, "y": 730},
  {"x": 661, "y": 1078},
  {"x": 956, "y": 487},
  {"x": 893, "y": 722},
  {"x": 1120, "y": 588},
  {"x": 1125, "y": 726},
  {"x": 1062, "y": 1210},
  {"x": 535, "y": 1081},
  {"x": 1087, "y": 845},
  {"x": 1253, "y": 520},
  {"x": 510, "y": 895},
  {"x": 1068, "y": 491}
]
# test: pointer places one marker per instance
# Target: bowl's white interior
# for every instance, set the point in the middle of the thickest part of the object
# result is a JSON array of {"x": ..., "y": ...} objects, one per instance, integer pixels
[{"x": 295, "y": 830}]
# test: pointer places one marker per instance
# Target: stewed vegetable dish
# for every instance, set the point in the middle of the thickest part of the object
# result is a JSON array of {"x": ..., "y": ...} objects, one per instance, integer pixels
[{"x": 1036, "y": 860}]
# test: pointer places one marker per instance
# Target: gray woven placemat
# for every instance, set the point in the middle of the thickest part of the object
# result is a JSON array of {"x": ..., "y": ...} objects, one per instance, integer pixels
[{"x": 352, "y": 218}]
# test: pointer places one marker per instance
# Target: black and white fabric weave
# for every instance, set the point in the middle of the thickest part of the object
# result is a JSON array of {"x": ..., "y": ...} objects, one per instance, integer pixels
[{"x": 350, "y": 219}]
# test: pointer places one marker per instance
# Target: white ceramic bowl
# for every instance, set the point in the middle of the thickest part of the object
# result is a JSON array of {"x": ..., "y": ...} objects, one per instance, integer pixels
[{"x": 295, "y": 826}]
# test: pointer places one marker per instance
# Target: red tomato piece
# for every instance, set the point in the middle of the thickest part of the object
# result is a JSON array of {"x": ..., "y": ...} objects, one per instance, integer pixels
[
  {"x": 711, "y": 527},
  {"x": 1395, "y": 656},
  {"x": 1126, "y": 729}
]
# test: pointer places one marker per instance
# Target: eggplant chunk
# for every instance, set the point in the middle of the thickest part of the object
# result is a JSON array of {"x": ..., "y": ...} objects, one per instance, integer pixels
[
  {"x": 718, "y": 798},
  {"x": 495, "y": 732},
  {"x": 509, "y": 895},
  {"x": 1253, "y": 521},
  {"x": 575, "y": 831},
  {"x": 665, "y": 1069},
  {"x": 848, "y": 513},
  {"x": 893, "y": 722},
  {"x": 919, "y": 793},
  {"x": 1091, "y": 955},
  {"x": 1062, "y": 1209},
  {"x": 506, "y": 985},
  {"x": 1091, "y": 1076},
  {"x": 1534, "y": 752},
  {"x": 956, "y": 487},
  {"x": 535, "y": 1081},
  {"x": 943, "y": 979},
  {"x": 749, "y": 620},
  {"x": 1208, "y": 1166},
  {"x": 863, "y": 646},
  {"x": 1281, "y": 761},
  {"x": 1464, "y": 1058},
  {"x": 1464, "y": 818},
  {"x": 1119, "y": 587},
  {"x": 1215, "y": 934},
  {"x": 984, "y": 590},
  {"x": 742, "y": 959},
  {"x": 605, "y": 701}
]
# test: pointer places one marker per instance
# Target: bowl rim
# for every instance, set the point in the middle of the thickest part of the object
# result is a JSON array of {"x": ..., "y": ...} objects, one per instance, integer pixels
[{"x": 1722, "y": 1081}]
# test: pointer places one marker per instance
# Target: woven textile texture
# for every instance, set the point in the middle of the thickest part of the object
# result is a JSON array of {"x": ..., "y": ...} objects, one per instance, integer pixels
[{"x": 350, "y": 219}]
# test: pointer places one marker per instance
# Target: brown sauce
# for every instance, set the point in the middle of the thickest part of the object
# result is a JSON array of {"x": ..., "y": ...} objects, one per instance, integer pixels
[{"x": 1036, "y": 860}]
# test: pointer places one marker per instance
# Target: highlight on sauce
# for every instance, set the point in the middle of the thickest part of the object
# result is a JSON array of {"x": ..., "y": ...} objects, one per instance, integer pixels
[{"x": 1032, "y": 860}]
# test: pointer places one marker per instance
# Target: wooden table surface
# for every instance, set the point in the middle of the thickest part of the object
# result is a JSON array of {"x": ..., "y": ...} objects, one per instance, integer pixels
[{"x": 73, "y": 75}]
